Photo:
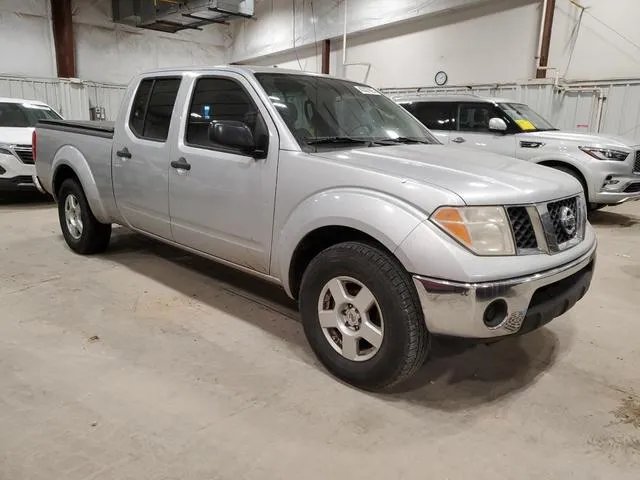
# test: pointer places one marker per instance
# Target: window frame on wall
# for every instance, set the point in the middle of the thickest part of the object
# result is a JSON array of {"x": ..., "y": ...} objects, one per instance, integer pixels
[
  {"x": 153, "y": 81},
  {"x": 259, "y": 124}
]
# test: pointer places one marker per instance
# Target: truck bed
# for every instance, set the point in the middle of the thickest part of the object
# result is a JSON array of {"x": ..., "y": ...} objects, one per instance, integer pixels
[{"x": 94, "y": 128}]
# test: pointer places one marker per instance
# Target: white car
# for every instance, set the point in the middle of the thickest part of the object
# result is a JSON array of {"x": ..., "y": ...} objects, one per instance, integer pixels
[
  {"x": 607, "y": 167},
  {"x": 17, "y": 121}
]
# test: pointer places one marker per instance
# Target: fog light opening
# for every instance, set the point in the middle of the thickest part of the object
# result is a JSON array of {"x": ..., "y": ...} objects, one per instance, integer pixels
[{"x": 495, "y": 313}]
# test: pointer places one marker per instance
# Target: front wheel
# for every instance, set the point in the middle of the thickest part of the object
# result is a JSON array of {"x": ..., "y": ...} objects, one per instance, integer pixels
[
  {"x": 81, "y": 230},
  {"x": 362, "y": 316}
]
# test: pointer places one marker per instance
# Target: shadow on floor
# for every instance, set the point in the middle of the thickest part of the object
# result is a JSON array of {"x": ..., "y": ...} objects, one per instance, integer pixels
[
  {"x": 457, "y": 376},
  {"x": 605, "y": 218},
  {"x": 24, "y": 199}
]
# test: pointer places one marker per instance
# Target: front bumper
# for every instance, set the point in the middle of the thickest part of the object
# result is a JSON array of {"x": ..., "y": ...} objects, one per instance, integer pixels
[
  {"x": 618, "y": 189},
  {"x": 458, "y": 309},
  {"x": 15, "y": 175}
]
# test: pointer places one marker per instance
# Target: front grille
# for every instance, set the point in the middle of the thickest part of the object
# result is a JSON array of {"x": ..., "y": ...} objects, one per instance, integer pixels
[
  {"x": 633, "y": 188},
  {"x": 25, "y": 153},
  {"x": 556, "y": 209},
  {"x": 522, "y": 227},
  {"x": 636, "y": 166}
]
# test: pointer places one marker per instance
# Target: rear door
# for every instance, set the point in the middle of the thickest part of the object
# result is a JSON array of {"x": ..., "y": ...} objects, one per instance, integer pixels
[
  {"x": 472, "y": 123},
  {"x": 439, "y": 117},
  {"x": 141, "y": 156},
  {"x": 223, "y": 203}
]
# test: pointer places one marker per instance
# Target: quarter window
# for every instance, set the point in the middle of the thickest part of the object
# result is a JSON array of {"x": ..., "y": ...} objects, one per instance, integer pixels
[
  {"x": 217, "y": 99},
  {"x": 153, "y": 107}
]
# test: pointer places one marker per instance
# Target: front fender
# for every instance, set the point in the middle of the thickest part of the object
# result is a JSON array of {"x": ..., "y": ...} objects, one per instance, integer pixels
[
  {"x": 386, "y": 218},
  {"x": 72, "y": 157}
]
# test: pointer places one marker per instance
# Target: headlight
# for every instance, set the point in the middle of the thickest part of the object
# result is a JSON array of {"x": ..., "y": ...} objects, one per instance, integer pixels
[
  {"x": 605, "y": 153},
  {"x": 4, "y": 150},
  {"x": 483, "y": 230}
]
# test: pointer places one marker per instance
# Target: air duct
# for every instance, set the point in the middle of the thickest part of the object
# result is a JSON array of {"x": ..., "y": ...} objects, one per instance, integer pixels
[{"x": 174, "y": 15}]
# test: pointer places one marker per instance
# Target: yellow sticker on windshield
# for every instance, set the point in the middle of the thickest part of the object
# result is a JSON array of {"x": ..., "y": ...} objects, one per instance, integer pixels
[{"x": 525, "y": 124}]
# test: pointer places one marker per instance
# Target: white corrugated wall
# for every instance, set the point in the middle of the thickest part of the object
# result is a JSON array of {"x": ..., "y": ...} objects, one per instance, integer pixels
[{"x": 72, "y": 98}]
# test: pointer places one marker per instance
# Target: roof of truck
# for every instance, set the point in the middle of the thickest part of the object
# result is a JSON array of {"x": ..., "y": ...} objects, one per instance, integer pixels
[
  {"x": 233, "y": 68},
  {"x": 448, "y": 98}
]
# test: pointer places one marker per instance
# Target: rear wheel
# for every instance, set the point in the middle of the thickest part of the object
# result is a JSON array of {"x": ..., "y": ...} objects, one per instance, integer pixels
[
  {"x": 81, "y": 230},
  {"x": 362, "y": 316}
]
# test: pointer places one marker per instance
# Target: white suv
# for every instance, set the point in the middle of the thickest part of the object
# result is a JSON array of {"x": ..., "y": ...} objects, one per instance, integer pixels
[
  {"x": 607, "y": 167},
  {"x": 17, "y": 121}
]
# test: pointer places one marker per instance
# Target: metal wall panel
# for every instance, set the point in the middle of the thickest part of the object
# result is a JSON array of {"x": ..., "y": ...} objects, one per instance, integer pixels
[{"x": 73, "y": 99}]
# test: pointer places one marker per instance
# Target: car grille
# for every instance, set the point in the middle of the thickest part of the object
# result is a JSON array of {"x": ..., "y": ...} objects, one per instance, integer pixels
[
  {"x": 636, "y": 165},
  {"x": 633, "y": 188},
  {"x": 524, "y": 235},
  {"x": 555, "y": 212},
  {"x": 25, "y": 153},
  {"x": 552, "y": 235}
]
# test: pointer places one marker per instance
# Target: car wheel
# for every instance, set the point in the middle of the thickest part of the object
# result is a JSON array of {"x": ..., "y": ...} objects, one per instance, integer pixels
[
  {"x": 81, "y": 230},
  {"x": 362, "y": 316}
]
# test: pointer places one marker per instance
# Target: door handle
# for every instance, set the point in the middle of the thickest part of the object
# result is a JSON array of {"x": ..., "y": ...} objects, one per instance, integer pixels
[
  {"x": 458, "y": 140},
  {"x": 181, "y": 164},
  {"x": 124, "y": 153}
]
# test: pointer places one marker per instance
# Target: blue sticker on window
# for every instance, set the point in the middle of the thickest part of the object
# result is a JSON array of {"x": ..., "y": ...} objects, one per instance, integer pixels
[{"x": 206, "y": 112}]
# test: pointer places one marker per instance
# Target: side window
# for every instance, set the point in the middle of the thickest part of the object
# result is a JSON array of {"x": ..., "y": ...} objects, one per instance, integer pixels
[
  {"x": 220, "y": 99},
  {"x": 152, "y": 108},
  {"x": 136, "y": 121},
  {"x": 474, "y": 117},
  {"x": 436, "y": 115}
]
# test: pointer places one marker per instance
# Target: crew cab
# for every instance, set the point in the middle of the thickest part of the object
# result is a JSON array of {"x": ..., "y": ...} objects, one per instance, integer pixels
[
  {"x": 607, "y": 167},
  {"x": 18, "y": 118},
  {"x": 328, "y": 188}
]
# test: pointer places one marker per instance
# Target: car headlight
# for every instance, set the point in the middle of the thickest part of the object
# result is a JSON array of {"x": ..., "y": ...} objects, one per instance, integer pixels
[
  {"x": 4, "y": 150},
  {"x": 483, "y": 230},
  {"x": 605, "y": 153}
]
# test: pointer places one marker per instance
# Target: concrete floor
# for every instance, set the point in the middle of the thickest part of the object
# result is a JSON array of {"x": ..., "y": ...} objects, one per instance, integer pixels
[{"x": 147, "y": 363}]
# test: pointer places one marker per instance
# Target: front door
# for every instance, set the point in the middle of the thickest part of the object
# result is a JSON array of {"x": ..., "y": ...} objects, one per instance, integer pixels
[
  {"x": 473, "y": 129},
  {"x": 222, "y": 200},
  {"x": 141, "y": 156}
]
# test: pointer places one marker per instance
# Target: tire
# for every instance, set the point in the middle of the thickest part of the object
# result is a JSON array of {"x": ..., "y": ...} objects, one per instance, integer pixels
[
  {"x": 89, "y": 236},
  {"x": 395, "y": 310}
]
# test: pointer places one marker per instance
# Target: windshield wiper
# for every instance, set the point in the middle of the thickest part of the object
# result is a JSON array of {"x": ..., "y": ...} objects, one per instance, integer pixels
[
  {"x": 401, "y": 140},
  {"x": 333, "y": 140}
]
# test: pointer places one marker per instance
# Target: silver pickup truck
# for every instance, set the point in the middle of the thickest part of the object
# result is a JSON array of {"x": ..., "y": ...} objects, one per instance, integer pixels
[{"x": 330, "y": 189}]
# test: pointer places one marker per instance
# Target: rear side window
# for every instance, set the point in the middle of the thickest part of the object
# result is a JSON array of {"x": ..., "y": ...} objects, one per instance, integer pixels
[
  {"x": 220, "y": 99},
  {"x": 435, "y": 115},
  {"x": 152, "y": 108}
]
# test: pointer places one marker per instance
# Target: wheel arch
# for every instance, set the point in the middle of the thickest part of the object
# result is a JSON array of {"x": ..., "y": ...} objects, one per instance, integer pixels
[
  {"x": 70, "y": 163},
  {"x": 334, "y": 217},
  {"x": 569, "y": 166}
]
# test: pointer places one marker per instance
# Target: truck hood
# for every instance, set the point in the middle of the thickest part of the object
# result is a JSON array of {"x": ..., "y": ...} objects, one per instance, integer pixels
[
  {"x": 479, "y": 178},
  {"x": 581, "y": 139},
  {"x": 15, "y": 135}
]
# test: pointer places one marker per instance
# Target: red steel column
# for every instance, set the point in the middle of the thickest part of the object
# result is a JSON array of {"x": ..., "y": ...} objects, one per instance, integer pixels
[
  {"x": 546, "y": 39},
  {"x": 62, "y": 21},
  {"x": 326, "y": 51}
]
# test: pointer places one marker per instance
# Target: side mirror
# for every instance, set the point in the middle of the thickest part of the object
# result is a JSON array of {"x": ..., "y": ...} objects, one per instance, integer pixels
[
  {"x": 497, "y": 125},
  {"x": 232, "y": 133}
]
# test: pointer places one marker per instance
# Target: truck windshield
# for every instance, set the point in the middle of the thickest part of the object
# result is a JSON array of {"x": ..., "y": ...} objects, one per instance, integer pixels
[
  {"x": 525, "y": 118},
  {"x": 326, "y": 112},
  {"x": 22, "y": 115}
]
